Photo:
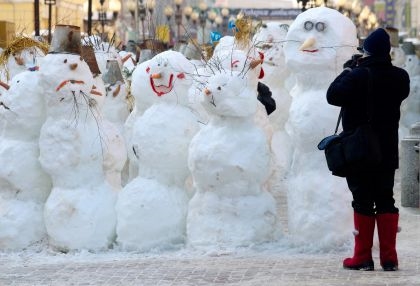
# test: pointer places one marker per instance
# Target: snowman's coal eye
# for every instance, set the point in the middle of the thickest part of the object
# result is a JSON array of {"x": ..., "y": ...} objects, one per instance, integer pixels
[
  {"x": 219, "y": 88},
  {"x": 308, "y": 25},
  {"x": 320, "y": 26},
  {"x": 65, "y": 61}
]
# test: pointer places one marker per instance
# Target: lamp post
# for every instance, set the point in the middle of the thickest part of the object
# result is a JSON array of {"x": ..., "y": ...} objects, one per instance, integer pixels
[
  {"x": 150, "y": 5},
  {"x": 178, "y": 18},
  {"x": 225, "y": 16},
  {"x": 194, "y": 19},
  {"x": 50, "y": 3},
  {"x": 188, "y": 10},
  {"x": 102, "y": 16},
  {"x": 168, "y": 12},
  {"x": 203, "y": 18},
  {"x": 142, "y": 15}
]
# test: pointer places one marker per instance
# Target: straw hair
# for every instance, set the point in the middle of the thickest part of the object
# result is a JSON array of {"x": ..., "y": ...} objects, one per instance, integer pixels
[{"x": 19, "y": 44}]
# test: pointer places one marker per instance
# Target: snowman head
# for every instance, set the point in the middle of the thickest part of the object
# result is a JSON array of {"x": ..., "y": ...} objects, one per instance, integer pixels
[
  {"x": 228, "y": 94},
  {"x": 248, "y": 63},
  {"x": 22, "y": 54},
  {"x": 22, "y": 105},
  {"x": 320, "y": 38},
  {"x": 170, "y": 76},
  {"x": 68, "y": 83},
  {"x": 269, "y": 40}
]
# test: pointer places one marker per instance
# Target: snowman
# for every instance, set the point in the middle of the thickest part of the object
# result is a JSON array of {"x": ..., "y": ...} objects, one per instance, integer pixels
[
  {"x": 248, "y": 61},
  {"x": 116, "y": 107},
  {"x": 410, "y": 109},
  {"x": 79, "y": 212},
  {"x": 269, "y": 40},
  {"x": 24, "y": 186},
  {"x": 229, "y": 160},
  {"x": 115, "y": 152},
  {"x": 144, "y": 97},
  {"x": 22, "y": 54},
  {"x": 318, "y": 42},
  {"x": 152, "y": 208}
]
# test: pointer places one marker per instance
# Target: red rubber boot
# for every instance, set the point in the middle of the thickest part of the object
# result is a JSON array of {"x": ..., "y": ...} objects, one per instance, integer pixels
[
  {"x": 363, "y": 239},
  {"x": 387, "y": 233}
]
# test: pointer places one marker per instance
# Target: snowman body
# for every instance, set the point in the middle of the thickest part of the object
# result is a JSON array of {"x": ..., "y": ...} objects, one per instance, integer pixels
[
  {"x": 270, "y": 40},
  {"x": 315, "y": 51},
  {"x": 410, "y": 109},
  {"x": 24, "y": 186},
  {"x": 79, "y": 212},
  {"x": 152, "y": 207},
  {"x": 229, "y": 160}
]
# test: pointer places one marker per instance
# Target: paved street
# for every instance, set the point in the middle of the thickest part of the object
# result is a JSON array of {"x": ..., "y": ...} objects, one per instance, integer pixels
[{"x": 270, "y": 266}]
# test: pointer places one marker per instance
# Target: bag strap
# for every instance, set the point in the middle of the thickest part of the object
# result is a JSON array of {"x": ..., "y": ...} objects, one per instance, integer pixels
[
  {"x": 338, "y": 121},
  {"x": 369, "y": 103}
]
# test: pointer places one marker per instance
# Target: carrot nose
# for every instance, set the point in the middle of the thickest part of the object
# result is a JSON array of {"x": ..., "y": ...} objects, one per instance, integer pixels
[
  {"x": 19, "y": 61},
  {"x": 5, "y": 85},
  {"x": 156, "y": 75},
  {"x": 73, "y": 66},
  {"x": 308, "y": 43},
  {"x": 207, "y": 91}
]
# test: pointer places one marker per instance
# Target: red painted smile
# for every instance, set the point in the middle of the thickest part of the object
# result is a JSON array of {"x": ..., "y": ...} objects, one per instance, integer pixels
[{"x": 162, "y": 89}]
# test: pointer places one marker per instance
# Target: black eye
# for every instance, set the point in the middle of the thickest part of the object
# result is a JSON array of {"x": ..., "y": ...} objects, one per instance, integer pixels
[
  {"x": 219, "y": 88},
  {"x": 320, "y": 26},
  {"x": 308, "y": 25},
  {"x": 65, "y": 61}
]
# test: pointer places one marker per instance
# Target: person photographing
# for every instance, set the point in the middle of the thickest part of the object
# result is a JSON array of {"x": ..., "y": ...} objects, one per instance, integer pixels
[{"x": 371, "y": 89}]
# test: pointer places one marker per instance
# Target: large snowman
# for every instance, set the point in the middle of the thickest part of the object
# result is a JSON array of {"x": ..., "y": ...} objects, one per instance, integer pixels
[
  {"x": 79, "y": 212},
  {"x": 229, "y": 160},
  {"x": 152, "y": 208},
  {"x": 319, "y": 41},
  {"x": 24, "y": 186}
]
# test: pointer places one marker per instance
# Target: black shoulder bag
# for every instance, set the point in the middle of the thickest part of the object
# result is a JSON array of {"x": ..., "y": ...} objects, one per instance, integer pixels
[{"x": 356, "y": 151}]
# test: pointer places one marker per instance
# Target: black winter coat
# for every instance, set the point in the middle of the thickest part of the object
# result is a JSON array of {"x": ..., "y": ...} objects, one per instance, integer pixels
[{"x": 390, "y": 85}]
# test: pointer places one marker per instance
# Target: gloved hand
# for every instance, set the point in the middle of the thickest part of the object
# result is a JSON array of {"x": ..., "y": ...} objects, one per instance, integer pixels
[{"x": 352, "y": 63}]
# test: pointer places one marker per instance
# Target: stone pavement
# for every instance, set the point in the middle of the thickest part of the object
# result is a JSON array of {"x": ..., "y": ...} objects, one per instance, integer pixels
[{"x": 251, "y": 267}]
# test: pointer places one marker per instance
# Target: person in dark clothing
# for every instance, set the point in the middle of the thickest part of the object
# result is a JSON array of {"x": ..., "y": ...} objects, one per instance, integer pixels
[{"x": 371, "y": 87}]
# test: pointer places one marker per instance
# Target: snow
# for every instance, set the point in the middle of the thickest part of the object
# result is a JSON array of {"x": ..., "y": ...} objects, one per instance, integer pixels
[{"x": 201, "y": 178}]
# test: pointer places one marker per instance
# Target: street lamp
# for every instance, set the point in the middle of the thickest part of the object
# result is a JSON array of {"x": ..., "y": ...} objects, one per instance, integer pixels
[
  {"x": 168, "y": 12},
  {"x": 49, "y": 3},
  {"x": 142, "y": 15},
  {"x": 150, "y": 5},
  {"x": 218, "y": 21},
  {"x": 188, "y": 10},
  {"x": 178, "y": 18},
  {"x": 203, "y": 18},
  {"x": 102, "y": 15},
  {"x": 225, "y": 15}
]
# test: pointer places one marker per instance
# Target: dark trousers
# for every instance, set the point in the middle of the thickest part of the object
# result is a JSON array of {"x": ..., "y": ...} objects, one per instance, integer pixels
[{"x": 373, "y": 192}]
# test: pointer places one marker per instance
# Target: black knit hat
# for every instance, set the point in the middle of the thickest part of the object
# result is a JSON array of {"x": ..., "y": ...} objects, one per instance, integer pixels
[{"x": 377, "y": 43}]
